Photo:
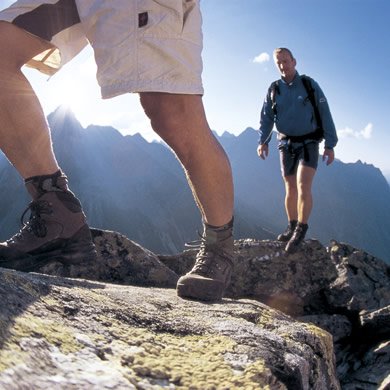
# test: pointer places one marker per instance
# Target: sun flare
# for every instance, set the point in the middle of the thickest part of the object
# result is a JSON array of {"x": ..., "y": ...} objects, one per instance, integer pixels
[{"x": 71, "y": 95}]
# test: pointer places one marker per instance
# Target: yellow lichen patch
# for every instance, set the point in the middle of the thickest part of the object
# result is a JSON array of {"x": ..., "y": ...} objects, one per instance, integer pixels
[
  {"x": 266, "y": 318},
  {"x": 55, "y": 333},
  {"x": 134, "y": 336},
  {"x": 192, "y": 361},
  {"x": 259, "y": 374},
  {"x": 189, "y": 362},
  {"x": 10, "y": 358},
  {"x": 325, "y": 338},
  {"x": 326, "y": 341}
]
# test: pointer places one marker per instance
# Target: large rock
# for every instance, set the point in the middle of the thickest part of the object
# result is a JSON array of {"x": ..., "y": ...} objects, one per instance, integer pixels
[
  {"x": 119, "y": 260},
  {"x": 341, "y": 289},
  {"x": 362, "y": 282},
  {"x": 59, "y": 333},
  {"x": 338, "y": 289}
]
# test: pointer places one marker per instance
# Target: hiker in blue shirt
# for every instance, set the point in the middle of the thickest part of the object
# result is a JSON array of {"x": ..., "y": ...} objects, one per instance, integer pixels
[{"x": 298, "y": 108}]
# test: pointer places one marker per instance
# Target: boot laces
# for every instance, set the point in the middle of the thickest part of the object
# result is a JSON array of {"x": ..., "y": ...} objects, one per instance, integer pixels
[
  {"x": 201, "y": 262},
  {"x": 36, "y": 224},
  {"x": 205, "y": 260}
]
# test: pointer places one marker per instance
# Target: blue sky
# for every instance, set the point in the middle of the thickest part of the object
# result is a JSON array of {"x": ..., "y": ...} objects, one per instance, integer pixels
[{"x": 343, "y": 44}]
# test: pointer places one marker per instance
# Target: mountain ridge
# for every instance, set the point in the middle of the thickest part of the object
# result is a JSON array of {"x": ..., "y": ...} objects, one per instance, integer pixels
[{"x": 138, "y": 188}]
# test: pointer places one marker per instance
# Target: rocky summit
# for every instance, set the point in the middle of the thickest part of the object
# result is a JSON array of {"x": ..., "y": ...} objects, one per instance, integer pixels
[{"x": 317, "y": 319}]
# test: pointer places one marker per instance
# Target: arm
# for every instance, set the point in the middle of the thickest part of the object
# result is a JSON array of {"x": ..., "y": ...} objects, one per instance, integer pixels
[
  {"x": 328, "y": 156},
  {"x": 262, "y": 151},
  {"x": 266, "y": 120},
  {"x": 329, "y": 128}
]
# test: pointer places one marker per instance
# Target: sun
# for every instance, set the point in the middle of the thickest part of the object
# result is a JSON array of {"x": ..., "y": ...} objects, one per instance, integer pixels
[
  {"x": 74, "y": 86},
  {"x": 71, "y": 95}
]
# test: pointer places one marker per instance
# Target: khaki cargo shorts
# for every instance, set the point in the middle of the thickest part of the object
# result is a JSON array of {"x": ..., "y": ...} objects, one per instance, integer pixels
[{"x": 139, "y": 45}]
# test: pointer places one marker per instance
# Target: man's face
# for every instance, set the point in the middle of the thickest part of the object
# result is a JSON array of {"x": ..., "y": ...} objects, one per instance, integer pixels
[{"x": 285, "y": 65}]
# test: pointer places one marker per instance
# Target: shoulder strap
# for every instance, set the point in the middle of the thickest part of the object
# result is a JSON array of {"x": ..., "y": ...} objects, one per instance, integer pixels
[
  {"x": 273, "y": 90},
  {"x": 306, "y": 80}
]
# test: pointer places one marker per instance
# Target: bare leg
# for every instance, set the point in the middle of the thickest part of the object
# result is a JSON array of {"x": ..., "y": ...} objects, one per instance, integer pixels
[
  {"x": 24, "y": 134},
  {"x": 25, "y": 140},
  {"x": 181, "y": 122},
  {"x": 305, "y": 178},
  {"x": 291, "y": 198}
]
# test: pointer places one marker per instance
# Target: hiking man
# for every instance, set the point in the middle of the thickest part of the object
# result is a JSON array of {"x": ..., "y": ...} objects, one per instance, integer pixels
[
  {"x": 299, "y": 109},
  {"x": 151, "y": 48}
]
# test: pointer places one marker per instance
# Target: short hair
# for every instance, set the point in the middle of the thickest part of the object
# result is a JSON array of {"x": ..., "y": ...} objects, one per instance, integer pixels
[{"x": 281, "y": 49}]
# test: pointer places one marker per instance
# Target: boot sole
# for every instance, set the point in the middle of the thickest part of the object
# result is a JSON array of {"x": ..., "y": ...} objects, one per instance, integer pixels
[
  {"x": 291, "y": 249},
  {"x": 72, "y": 251},
  {"x": 200, "y": 289}
]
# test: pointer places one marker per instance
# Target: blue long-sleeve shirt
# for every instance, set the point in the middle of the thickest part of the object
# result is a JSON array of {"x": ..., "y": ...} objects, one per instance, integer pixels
[{"x": 295, "y": 114}]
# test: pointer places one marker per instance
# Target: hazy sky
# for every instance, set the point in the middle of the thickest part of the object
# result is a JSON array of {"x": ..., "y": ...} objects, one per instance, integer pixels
[{"x": 343, "y": 44}]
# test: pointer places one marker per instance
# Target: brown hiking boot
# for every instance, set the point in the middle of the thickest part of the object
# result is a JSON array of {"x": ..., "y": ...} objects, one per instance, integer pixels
[
  {"x": 56, "y": 230},
  {"x": 297, "y": 237},
  {"x": 287, "y": 234},
  {"x": 210, "y": 276}
]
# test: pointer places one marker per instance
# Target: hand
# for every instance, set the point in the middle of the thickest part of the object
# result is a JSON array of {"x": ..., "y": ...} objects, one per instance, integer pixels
[
  {"x": 328, "y": 156},
  {"x": 262, "y": 151}
]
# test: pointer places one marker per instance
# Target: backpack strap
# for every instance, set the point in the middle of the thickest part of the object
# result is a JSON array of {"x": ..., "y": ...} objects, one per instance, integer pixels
[
  {"x": 273, "y": 90},
  {"x": 318, "y": 134},
  {"x": 306, "y": 80}
]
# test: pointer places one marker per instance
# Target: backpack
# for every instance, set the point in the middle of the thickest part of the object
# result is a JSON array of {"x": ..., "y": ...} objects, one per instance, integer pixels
[{"x": 317, "y": 134}]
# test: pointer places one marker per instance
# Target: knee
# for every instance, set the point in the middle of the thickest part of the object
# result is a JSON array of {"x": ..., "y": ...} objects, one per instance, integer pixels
[
  {"x": 163, "y": 112},
  {"x": 290, "y": 183},
  {"x": 172, "y": 119},
  {"x": 304, "y": 191}
]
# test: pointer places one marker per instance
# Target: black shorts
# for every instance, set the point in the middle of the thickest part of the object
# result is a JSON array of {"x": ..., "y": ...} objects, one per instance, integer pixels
[{"x": 294, "y": 153}]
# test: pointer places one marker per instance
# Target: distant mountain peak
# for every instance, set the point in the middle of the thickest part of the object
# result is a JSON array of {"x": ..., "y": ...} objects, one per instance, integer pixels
[
  {"x": 137, "y": 137},
  {"x": 226, "y": 134},
  {"x": 63, "y": 111},
  {"x": 63, "y": 119}
]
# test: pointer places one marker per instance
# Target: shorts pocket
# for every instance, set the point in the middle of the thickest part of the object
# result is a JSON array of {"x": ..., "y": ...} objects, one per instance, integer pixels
[{"x": 165, "y": 18}]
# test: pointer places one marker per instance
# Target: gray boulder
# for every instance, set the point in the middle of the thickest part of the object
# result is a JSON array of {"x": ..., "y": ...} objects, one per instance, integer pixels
[
  {"x": 278, "y": 312},
  {"x": 62, "y": 333}
]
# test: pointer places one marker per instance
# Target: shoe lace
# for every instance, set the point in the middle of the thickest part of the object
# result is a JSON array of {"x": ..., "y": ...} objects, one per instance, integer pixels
[
  {"x": 36, "y": 224},
  {"x": 196, "y": 244},
  {"x": 204, "y": 262}
]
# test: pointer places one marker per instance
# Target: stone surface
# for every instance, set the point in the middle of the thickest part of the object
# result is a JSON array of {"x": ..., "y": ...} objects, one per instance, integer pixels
[
  {"x": 341, "y": 289},
  {"x": 77, "y": 334},
  {"x": 119, "y": 260},
  {"x": 273, "y": 297}
]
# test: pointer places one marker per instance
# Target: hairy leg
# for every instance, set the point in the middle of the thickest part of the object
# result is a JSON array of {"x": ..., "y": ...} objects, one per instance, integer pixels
[
  {"x": 305, "y": 176},
  {"x": 181, "y": 122},
  {"x": 291, "y": 198},
  {"x": 24, "y": 134}
]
